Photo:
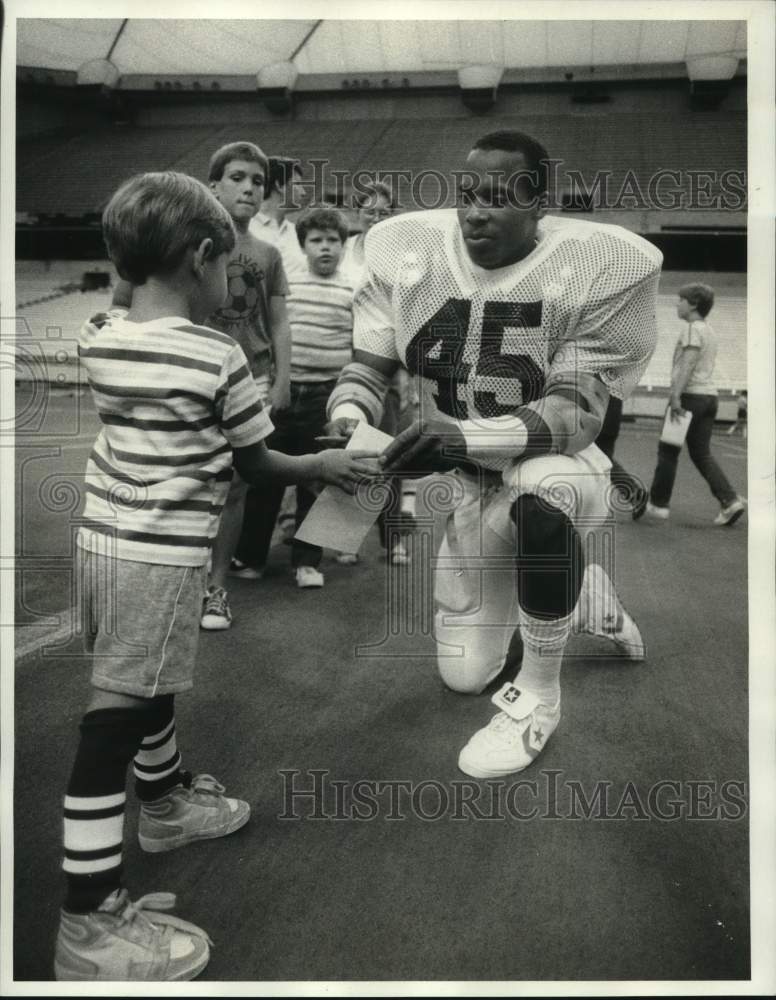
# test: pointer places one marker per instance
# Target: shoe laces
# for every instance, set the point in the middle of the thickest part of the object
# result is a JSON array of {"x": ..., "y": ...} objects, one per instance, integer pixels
[
  {"x": 138, "y": 914},
  {"x": 216, "y": 603},
  {"x": 206, "y": 784},
  {"x": 509, "y": 730}
]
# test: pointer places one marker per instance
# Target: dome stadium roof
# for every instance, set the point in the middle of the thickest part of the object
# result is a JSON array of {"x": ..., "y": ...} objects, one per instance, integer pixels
[{"x": 141, "y": 46}]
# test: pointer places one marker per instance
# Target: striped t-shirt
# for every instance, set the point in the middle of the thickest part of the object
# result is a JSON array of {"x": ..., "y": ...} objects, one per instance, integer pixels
[
  {"x": 174, "y": 398},
  {"x": 320, "y": 314}
]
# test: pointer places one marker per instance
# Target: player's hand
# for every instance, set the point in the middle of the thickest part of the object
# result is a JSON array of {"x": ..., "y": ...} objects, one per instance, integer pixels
[
  {"x": 421, "y": 449},
  {"x": 675, "y": 408},
  {"x": 347, "y": 469},
  {"x": 280, "y": 397},
  {"x": 337, "y": 433}
]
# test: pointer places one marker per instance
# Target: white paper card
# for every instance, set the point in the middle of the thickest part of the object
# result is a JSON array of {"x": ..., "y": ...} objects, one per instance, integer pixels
[
  {"x": 337, "y": 520},
  {"x": 675, "y": 431}
]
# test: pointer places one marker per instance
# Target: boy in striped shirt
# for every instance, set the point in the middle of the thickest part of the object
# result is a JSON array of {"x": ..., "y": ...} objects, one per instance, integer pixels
[
  {"x": 178, "y": 408},
  {"x": 320, "y": 314}
]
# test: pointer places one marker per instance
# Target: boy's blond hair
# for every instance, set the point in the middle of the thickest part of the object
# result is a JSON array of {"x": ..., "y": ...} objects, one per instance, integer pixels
[{"x": 153, "y": 219}]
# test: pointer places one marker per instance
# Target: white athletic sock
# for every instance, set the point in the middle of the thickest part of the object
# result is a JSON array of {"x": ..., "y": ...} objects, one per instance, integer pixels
[{"x": 543, "y": 642}]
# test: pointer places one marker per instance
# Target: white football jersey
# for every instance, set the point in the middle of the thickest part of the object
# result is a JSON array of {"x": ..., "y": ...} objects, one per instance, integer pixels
[{"x": 483, "y": 342}]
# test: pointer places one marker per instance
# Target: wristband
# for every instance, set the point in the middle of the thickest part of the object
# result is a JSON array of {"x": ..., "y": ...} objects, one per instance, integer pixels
[{"x": 349, "y": 411}]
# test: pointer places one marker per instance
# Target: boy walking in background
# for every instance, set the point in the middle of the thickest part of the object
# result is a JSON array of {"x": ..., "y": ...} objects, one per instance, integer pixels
[
  {"x": 254, "y": 314},
  {"x": 178, "y": 406},
  {"x": 320, "y": 314},
  {"x": 693, "y": 390}
]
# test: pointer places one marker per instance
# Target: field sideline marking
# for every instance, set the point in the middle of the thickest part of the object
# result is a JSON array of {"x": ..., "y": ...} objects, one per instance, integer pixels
[{"x": 58, "y": 634}]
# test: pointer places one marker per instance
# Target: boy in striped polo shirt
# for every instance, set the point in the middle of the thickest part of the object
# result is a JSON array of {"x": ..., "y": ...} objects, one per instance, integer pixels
[
  {"x": 178, "y": 408},
  {"x": 320, "y": 314}
]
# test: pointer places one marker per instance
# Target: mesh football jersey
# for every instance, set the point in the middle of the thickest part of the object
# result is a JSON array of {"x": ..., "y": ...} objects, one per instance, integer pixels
[{"x": 483, "y": 342}]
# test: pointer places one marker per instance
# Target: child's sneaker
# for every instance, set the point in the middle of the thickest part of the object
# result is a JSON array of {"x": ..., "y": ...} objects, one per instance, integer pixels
[
  {"x": 308, "y": 576},
  {"x": 129, "y": 942},
  {"x": 655, "y": 513},
  {"x": 243, "y": 571},
  {"x": 731, "y": 513},
  {"x": 216, "y": 614},
  {"x": 513, "y": 738},
  {"x": 183, "y": 815}
]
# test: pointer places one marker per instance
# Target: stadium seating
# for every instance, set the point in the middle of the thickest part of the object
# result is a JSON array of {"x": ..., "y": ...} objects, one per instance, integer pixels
[{"x": 90, "y": 165}]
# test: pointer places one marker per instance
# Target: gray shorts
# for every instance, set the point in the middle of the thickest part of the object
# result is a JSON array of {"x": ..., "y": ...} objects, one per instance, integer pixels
[{"x": 141, "y": 623}]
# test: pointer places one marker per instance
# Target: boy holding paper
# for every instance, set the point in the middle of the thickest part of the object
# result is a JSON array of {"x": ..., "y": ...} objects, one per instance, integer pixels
[{"x": 693, "y": 394}]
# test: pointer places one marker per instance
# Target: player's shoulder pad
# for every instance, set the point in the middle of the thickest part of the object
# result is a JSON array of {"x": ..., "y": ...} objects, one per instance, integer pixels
[
  {"x": 392, "y": 239},
  {"x": 611, "y": 241}
]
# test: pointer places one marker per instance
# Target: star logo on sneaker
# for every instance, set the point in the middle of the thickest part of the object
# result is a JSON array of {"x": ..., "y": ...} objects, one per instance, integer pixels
[
  {"x": 511, "y": 695},
  {"x": 538, "y": 735}
]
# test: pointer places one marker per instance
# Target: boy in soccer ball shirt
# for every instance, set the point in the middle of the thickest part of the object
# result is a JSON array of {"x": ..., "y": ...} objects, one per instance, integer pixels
[
  {"x": 518, "y": 328},
  {"x": 178, "y": 407},
  {"x": 254, "y": 314}
]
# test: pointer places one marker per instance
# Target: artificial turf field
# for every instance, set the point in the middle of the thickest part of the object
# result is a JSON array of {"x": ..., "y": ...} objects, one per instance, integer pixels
[{"x": 427, "y": 888}]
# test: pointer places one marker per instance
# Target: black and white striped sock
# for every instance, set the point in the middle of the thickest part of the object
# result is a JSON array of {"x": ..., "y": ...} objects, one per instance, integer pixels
[
  {"x": 157, "y": 764},
  {"x": 94, "y": 805}
]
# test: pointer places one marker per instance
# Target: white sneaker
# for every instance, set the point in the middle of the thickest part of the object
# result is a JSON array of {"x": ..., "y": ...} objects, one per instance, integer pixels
[
  {"x": 124, "y": 941},
  {"x": 624, "y": 633},
  {"x": 599, "y": 612},
  {"x": 308, "y": 576},
  {"x": 513, "y": 738},
  {"x": 653, "y": 513},
  {"x": 216, "y": 614},
  {"x": 347, "y": 558},
  {"x": 243, "y": 571},
  {"x": 731, "y": 513}
]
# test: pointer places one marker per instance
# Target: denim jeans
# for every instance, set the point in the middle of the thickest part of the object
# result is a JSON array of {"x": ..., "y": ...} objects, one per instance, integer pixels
[
  {"x": 295, "y": 431},
  {"x": 703, "y": 410}
]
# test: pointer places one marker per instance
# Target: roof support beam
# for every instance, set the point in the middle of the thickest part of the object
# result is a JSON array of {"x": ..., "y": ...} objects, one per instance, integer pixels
[
  {"x": 305, "y": 40},
  {"x": 119, "y": 33}
]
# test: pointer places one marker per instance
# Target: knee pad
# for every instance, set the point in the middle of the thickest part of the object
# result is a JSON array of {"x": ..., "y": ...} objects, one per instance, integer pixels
[
  {"x": 550, "y": 559},
  {"x": 540, "y": 528}
]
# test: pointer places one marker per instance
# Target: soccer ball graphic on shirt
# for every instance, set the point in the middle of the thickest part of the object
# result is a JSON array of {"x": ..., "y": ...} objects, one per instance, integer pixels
[{"x": 243, "y": 287}]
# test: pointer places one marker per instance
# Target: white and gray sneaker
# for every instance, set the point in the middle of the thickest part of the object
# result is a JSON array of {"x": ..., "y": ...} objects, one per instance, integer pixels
[
  {"x": 623, "y": 631},
  {"x": 599, "y": 612},
  {"x": 308, "y": 576},
  {"x": 124, "y": 941},
  {"x": 216, "y": 613},
  {"x": 731, "y": 513},
  {"x": 513, "y": 738}
]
